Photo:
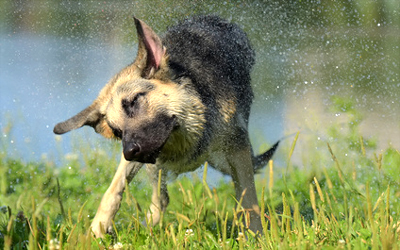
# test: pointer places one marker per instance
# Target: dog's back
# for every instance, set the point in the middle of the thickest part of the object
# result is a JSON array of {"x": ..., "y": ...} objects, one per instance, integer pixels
[{"x": 216, "y": 55}]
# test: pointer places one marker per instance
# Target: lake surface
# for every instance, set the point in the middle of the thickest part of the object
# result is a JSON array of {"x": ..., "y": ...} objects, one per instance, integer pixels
[{"x": 56, "y": 58}]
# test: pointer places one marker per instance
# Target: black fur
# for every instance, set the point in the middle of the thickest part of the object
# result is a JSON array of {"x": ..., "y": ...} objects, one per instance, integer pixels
[{"x": 217, "y": 57}]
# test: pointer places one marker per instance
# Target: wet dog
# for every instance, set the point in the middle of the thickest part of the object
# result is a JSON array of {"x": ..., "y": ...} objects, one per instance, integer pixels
[{"x": 184, "y": 100}]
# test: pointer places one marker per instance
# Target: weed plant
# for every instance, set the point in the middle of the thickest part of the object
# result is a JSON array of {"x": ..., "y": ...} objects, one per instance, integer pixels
[{"x": 346, "y": 196}]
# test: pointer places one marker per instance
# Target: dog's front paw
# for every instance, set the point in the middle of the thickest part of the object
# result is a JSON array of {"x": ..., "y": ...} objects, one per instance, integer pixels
[{"x": 100, "y": 228}]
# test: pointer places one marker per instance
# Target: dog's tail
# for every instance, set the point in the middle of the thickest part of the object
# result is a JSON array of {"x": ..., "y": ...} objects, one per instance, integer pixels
[{"x": 261, "y": 160}]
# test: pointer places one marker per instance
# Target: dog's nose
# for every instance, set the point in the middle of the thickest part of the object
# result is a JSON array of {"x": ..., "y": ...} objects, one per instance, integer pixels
[{"x": 130, "y": 150}]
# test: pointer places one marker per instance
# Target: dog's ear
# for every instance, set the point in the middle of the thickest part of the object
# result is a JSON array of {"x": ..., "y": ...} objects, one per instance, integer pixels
[
  {"x": 150, "y": 51},
  {"x": 90, "y": 116}
]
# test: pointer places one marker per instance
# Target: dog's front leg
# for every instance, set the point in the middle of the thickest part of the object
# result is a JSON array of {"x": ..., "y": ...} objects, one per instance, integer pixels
[
  {"x": 159, "y": 198},
  {"x": 243, "y": 178},
  {"x": 111, "y": 201}
]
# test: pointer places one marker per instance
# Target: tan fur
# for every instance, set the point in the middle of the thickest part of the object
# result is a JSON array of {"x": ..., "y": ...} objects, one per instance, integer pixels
[
  {"x": 227, "y": 109},
  {"x": 169, "y": 96}
]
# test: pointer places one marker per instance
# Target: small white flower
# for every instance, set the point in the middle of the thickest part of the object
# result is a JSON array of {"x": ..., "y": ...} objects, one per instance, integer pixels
[
  {"x": 189, "y": 232},
  {"x": 118, "y": 245},
  {"x": 54, "y": 244}
]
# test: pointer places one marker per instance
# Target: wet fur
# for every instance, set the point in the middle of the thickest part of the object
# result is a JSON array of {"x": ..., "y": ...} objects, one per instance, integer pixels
[{"x": 184, "y": 100}]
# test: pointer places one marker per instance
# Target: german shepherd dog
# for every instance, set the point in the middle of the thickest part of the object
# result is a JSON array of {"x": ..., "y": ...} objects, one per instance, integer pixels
[{"x": 184, "y": 100}]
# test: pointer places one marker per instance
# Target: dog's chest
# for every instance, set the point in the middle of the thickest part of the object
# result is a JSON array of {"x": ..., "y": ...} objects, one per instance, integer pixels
[
  {"x": 215, "y": 155},
  {"x": 183, "y": 165}
]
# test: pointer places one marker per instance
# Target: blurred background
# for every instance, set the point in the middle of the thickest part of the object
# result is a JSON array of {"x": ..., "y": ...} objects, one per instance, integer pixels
[{"x": 312, "y": 57}]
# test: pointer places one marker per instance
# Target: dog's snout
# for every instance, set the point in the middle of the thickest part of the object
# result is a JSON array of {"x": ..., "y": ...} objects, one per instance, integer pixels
[{"x": 131, "y": 149}]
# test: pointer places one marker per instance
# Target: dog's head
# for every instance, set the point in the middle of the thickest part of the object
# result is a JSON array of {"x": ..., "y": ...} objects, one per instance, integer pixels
[{"x": 141, "y": 105}]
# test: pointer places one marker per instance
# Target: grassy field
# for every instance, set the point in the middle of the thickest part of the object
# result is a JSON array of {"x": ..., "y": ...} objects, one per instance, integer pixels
[{"x": 346, "y": 196}]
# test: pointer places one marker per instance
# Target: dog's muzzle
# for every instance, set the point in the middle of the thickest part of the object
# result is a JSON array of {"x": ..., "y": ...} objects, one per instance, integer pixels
[{"x": 133, "y": 152}]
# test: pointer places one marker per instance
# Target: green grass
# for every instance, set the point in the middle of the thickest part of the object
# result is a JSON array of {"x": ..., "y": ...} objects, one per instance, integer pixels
[{"x": 345, "y": 197}]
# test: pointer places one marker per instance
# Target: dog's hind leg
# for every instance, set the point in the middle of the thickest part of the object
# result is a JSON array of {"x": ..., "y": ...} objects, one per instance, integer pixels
[
  {"x": 111, "y": 201},
  {"x": 242, "y": 172},
  {"x": 159, "y": 198}
]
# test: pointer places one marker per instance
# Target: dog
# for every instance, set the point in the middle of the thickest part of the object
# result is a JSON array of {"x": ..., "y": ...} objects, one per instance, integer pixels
[{"x": 184, "y": 100}]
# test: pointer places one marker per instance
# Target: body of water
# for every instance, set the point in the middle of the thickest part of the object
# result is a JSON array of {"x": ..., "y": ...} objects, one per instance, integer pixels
[{"x": 56, "y": 58}]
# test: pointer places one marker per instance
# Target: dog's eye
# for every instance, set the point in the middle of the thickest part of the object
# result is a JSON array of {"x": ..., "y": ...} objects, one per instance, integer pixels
[
  {"x": 117, "y": 132},
  {"x": 130, "y": 106},
  {"x": 137, "y": 96}
]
